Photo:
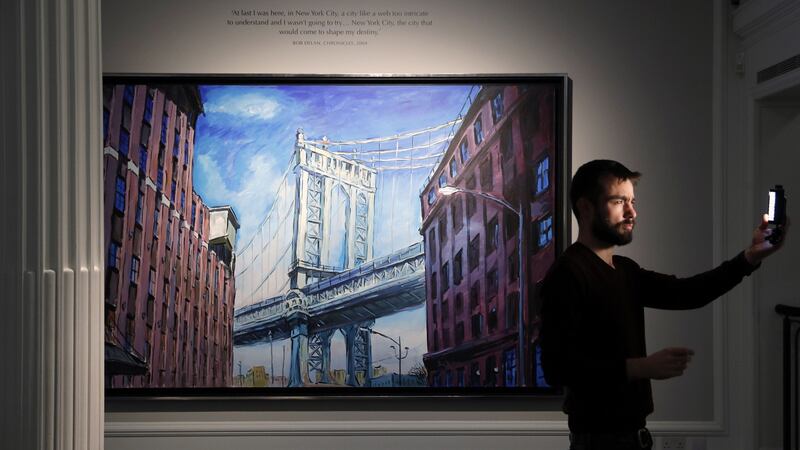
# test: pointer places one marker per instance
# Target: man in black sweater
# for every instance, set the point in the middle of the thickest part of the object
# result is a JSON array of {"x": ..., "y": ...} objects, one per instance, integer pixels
[{"x": 592, "y": 339}]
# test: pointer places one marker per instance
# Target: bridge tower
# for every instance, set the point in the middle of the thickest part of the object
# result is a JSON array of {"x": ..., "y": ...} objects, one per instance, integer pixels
[
  {"x": 334, "y": 213},
  {"x": 333, "y": 228}
]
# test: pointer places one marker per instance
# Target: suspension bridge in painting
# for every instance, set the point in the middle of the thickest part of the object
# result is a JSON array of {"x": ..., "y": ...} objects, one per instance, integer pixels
[
  {"x": 309, "y": 270},
  {"x": 349, "y": 301}
]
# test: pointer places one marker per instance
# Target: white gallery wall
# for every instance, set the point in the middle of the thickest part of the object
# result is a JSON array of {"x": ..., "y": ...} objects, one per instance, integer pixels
[
  {"x": 642, "y": 76},
  {"x": 656, "y": 86}
]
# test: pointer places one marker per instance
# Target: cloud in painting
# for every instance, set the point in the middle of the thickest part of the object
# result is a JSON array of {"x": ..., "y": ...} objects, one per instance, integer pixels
[
  {"x": 254, "y": 105},
  {"x": 254, "y": 194}
]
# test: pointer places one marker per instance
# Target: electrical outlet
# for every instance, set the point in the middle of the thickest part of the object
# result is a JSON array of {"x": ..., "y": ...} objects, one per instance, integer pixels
[{"x": 673, "y": 443}]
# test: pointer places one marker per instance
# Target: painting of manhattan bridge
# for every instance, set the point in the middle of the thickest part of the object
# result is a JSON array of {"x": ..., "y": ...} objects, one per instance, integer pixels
[{"x": 348, "y": 234}]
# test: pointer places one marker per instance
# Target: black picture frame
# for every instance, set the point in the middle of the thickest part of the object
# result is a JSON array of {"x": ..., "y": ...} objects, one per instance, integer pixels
[{"x": 115, "y": 115}]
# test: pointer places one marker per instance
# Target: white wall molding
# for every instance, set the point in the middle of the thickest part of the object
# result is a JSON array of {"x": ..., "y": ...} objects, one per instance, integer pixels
[
  {"x": 775, "y": 85},
  {"x": 51, "y": 184},
  {"x": 718, "y": 248},
  {"x": 741, "y": 349},
  {"x": 382, "y": 428},
  {"x": 757, "y": 18},
  {"x": 337, "y": 428},
  {"x": 734, "y": 343}
]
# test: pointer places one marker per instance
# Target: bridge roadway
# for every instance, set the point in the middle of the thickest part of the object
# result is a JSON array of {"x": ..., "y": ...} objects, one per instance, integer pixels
[{"x": 349, "y": 301}]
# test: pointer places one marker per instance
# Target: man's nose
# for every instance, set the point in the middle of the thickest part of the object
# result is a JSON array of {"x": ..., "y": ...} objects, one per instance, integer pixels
[{"x": 630, "y": 211}]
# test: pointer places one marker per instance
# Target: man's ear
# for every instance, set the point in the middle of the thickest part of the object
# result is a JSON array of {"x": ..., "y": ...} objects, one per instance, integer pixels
[{"x": 585, "y": 209}]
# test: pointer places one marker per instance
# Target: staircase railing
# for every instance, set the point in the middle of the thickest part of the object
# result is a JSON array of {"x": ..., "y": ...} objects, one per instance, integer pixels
[{"x": 791, "y": 375}]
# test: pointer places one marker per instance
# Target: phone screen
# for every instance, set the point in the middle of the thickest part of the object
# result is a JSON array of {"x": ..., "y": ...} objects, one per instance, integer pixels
[{"x": 771, "y": 210}]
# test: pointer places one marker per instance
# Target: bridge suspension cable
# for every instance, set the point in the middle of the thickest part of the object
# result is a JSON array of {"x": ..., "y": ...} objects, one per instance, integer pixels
[
  {"x": 410, "y": 158},
  {"x": 393, "y": 137},
  {"x": 398, "y": 150},
  {"x": 404, "y": 167}
]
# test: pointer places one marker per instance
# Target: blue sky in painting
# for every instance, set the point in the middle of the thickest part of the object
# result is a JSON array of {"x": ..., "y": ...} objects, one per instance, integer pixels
[
  {"x": 244, "y": 142},
  {"x": 246, "y": 137}
]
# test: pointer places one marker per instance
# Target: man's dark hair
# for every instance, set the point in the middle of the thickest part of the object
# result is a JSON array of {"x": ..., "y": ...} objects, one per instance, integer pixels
[{"x": 587, "y": 181}]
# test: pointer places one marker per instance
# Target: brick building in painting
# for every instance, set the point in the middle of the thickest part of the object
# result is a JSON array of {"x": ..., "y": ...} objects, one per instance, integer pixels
[
  {"x": 505, "y": 147},
  {"x": 169, "y": 289}
]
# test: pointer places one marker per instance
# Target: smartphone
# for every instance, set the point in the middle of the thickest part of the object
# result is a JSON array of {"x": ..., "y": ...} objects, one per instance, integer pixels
[
  {"x": 776, "y": 213},
  {"x": 777, "y": 206}
]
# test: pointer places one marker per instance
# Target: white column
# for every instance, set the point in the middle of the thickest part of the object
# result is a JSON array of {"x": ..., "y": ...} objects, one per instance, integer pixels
[{"x": 51, "y": 325}]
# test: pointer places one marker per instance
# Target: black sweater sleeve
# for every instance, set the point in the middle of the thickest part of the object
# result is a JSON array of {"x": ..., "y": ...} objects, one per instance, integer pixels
[{"x": 669, "y": 292}]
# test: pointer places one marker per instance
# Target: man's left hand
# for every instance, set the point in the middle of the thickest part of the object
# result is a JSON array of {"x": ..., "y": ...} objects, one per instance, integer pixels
[{"x": 760, "y": 247}]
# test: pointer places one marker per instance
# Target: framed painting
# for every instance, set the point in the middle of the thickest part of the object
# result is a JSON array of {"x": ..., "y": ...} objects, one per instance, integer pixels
[{"x": 330, "y": 235}]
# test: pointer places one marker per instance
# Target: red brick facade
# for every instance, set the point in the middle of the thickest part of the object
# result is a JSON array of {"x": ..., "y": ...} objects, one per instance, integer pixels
[
  {"x": 505, "y": 147},
  {"x": 169, "y": 297}
]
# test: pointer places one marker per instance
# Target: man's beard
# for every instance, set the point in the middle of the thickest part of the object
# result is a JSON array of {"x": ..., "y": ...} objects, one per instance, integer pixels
[{"x": 611, "y": 234}]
